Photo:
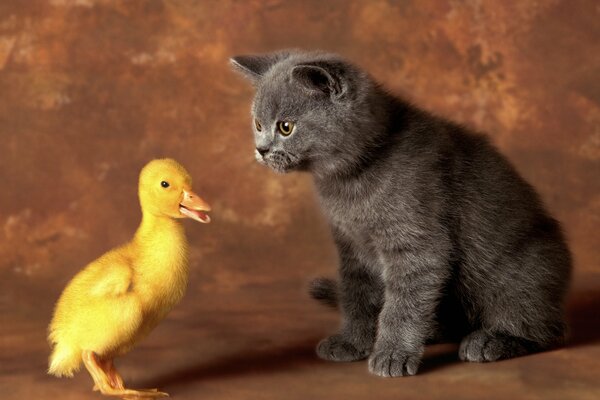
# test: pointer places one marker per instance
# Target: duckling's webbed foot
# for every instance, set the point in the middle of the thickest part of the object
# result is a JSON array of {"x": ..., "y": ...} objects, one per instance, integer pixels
[
  {"x": 136, "y": 394},
  {"x": 108, "y": 381},
  {"x": 144, "y": 394}
]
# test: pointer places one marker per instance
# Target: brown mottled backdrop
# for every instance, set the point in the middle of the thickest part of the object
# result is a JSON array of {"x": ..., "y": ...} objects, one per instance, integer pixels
[{"x": 90, "y": 90}]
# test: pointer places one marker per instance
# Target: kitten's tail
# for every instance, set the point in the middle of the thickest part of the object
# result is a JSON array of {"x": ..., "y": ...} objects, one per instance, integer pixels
[{"x": 325, "y": 291}]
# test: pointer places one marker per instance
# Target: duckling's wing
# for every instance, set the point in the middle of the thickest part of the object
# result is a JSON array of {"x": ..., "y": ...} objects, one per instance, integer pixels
[
  {"x": 113, "y": 276},
  {"x": 117, "y": 281},
  {"x": 98, "y": 310}
]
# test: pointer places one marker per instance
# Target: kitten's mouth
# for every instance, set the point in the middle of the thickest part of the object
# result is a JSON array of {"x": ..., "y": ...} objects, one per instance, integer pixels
[{"x": 280, "y": 163}]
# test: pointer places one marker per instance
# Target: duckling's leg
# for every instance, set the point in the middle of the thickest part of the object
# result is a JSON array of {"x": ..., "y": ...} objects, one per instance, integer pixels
[
  {"x": 117, "y": 381},
  {"x": 109, "y": 382},
  {"x": 109, "y": 369}
]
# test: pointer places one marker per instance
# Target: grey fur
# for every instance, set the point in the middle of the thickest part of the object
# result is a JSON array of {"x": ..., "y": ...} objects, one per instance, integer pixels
[{"x": 439, "y": 238}]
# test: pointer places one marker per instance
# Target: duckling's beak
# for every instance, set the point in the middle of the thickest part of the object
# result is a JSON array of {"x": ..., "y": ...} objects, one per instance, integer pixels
[{"x": 192, "y": 206}]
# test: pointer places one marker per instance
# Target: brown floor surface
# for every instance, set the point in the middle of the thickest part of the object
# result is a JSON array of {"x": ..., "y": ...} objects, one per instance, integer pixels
[
  {"x": 256, "y": 341},
  {"x": 90, "y": 90}
]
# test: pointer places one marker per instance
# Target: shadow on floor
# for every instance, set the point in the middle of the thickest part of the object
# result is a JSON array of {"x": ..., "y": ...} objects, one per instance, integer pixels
[
  {"x": 439, "y": 356},
  {"x": 246, "y": 362},
  {"x": 300, "y": 354},
  {"x": 584, "y": 318}
]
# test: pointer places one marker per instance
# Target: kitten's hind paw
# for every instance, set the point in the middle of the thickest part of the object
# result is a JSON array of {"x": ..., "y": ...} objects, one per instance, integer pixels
[
  {"x": 481, "y": 346},
  {"x": 337, "y": 348},
  {"x": 391, "y": 363}
]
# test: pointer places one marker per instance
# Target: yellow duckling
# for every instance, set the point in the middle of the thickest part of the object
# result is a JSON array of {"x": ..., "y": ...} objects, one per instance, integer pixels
[{"x": 119, "y": 298}]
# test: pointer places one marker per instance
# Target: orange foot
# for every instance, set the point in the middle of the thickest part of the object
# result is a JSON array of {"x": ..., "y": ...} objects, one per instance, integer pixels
[{"x": 108, "y": 381}]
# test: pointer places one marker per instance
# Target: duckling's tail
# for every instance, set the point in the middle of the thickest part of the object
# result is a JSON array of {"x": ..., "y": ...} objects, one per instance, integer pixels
[{"x": 64, "y": 361}]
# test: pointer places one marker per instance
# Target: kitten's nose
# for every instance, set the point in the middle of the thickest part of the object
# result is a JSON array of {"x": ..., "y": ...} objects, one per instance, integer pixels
[{"x": 262, "y": 150}]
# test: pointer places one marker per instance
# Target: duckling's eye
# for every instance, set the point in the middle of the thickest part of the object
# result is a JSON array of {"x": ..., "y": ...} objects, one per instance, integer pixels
[
  {"x": 257, "y": 125},
  {"x": 164, "y": 184},
  {"x": 285, "y": 127}
]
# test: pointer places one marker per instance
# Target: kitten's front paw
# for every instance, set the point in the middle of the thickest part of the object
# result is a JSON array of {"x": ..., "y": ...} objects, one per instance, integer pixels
[
  {"x": 391, "y": 363},
  {"x": 481, "y": 346},
  {"x": 337, "y": 348}
]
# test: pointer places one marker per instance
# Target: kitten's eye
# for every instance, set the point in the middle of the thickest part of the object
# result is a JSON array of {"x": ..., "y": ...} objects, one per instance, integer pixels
[
  {"x": 285, "y": 127},
  {"x": 164, "y": 184},
  {"x": 257, "y": 125}
]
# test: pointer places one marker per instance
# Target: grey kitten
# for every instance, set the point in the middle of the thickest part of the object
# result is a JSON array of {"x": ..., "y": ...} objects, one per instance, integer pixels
[{"x": 439, "y": 238}]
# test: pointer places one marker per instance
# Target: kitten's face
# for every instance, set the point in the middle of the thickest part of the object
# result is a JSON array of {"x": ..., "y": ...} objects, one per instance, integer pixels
[
  {"x": 290, "y": 127},
  {"x": 300, "y": 117}
]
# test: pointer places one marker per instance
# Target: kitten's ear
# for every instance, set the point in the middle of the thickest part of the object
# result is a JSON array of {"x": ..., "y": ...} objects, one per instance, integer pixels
[
  {"x": 253, "y": 67},
  {"x": 318, "y": 79}
]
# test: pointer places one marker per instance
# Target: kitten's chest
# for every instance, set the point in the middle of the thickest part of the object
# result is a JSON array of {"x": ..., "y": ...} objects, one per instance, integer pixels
[
  {"x": 353, "y": 208},
  {"x": 357, "y": 222},
  {"x": 351, "y": 216},
  {"x": 371, "y": 219}
]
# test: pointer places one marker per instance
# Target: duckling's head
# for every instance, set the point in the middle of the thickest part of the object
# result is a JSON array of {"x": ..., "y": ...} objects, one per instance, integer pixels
[{"x": 165, "y": 190}]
